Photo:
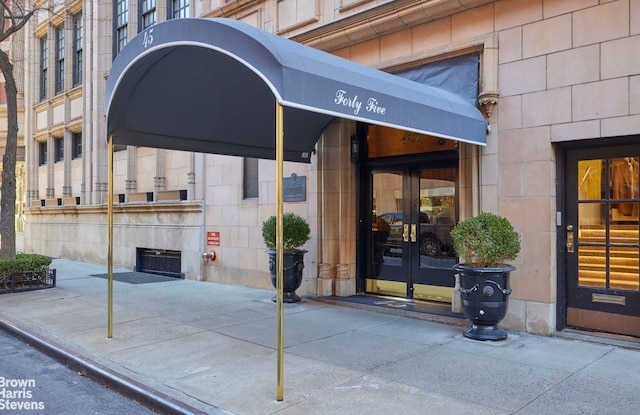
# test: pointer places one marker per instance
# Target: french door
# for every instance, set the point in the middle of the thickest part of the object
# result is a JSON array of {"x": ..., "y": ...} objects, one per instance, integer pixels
[
  {"x": 413, "y": 209},
  {"x": 602, "y": 243}
]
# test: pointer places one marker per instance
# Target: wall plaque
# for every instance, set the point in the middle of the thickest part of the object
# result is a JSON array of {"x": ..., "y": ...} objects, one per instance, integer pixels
[{"x": 294, "y": 188}]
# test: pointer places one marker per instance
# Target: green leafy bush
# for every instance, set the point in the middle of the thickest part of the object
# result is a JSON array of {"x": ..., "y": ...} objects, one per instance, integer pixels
[
  {"x": 296, "y": 231},
  {"x": 24, "y": 262},
  {"x": 485, "y": 241}
]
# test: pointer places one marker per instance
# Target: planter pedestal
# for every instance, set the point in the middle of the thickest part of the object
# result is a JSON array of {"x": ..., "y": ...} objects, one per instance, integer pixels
[
  {"x": 292, "y": 278},
  {"x": 484, "y": 294}
]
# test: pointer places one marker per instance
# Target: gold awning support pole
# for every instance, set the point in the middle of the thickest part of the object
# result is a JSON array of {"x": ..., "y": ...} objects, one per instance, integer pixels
[
  {"x": 110, "y": 237},
  {"x": 279, "y": 249}
]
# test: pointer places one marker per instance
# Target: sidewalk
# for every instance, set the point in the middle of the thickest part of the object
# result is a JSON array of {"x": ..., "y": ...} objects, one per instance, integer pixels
[{"x": 186, "y": 346}]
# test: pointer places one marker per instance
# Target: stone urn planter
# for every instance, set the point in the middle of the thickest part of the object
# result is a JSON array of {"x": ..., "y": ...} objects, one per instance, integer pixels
[
  {"x": 296, "y": 232},
  {"x": 484, "y": 243},
  {"x": 292, "y": 274},
  {"x": 484, "y": 293}
]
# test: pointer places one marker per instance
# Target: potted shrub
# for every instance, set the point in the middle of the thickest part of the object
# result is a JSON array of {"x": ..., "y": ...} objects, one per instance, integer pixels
[
  {"x": 484, "y": 244},
  {"x": 296, "y": 232}
]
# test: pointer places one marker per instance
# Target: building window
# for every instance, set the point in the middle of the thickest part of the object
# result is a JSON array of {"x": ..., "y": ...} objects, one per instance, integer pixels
[
  {"x": 77, "y": 49},
  {"x": 76, "y": 145},
  {"x": 178, "y": 9},
  {"x": 121, "y": 20},
  {"x": 58, "y": 150},
  {"x": 44, "y": 51},
  {"x": 147, "y": 14},
  {"x": 250, "y": 178},
  {"x": 59, "y": 59},
  {"x": 42, "y": 149}
]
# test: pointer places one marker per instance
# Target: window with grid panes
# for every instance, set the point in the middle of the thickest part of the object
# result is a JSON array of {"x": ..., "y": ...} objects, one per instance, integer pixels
[
  {"x": 44, "y": 51},
  {"x": 178, "y": 9},
  {"x": 147, "y": 12},
  {"x": 121, "y": 13},
  {"x": 77, "y": 49},
  {"x": 59, "y": 59}
]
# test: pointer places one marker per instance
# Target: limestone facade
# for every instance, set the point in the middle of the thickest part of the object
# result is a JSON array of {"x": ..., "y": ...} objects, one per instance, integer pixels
[{"x": 551, "y": 72}]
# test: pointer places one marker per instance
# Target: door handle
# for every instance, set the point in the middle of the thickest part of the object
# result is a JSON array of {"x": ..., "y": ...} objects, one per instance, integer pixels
[
  {"x": 405, "y": 232},
  {"x": 570, "y": 242},
  {"x": 414, "y": 236}
]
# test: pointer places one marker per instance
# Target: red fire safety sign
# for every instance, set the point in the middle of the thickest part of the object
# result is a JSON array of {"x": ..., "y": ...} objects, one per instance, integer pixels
[{"x": 213, "y": 238}]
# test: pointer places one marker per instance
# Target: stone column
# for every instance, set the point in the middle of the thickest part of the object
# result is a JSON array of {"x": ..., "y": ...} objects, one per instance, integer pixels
[
  {"x": 50, "y": 190},
  {"x": 191, "y": 177},
  {"x": 326, "y": 279},
  {"x": 131, "y": 182},
  {"x": 337, "y": 206},
  {"x": 159, "y": 181},
  {"x": 346, "y": 266},
  {"x": 327, "y": 211},
  {"x": 68, "y": 142}
]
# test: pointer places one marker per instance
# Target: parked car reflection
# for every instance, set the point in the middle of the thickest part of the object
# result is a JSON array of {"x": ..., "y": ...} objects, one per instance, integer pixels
[{"x": 434, "y": 238}]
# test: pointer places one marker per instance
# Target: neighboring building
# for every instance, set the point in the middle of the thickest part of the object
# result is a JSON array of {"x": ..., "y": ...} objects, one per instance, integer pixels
[{"x": 558, "y": 82}]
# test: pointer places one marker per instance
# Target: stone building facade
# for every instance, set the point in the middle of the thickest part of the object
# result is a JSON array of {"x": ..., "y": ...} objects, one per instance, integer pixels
[{"x": 558, "y": 82}]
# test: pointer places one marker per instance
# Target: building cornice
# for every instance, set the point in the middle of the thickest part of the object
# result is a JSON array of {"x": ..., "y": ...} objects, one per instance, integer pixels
[{"x": 387, "y": 18}]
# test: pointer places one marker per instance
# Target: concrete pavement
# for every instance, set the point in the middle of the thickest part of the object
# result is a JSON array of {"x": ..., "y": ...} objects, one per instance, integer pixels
[{"x": 198, "y": 347}]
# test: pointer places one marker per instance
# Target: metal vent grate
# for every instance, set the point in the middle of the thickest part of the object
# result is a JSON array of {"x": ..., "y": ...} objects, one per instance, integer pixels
[{"x": 159, "y": 261}]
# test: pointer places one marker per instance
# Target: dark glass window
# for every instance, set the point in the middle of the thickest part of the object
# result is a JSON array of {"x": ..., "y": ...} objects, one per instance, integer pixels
[
  {"x": 76, "y": 145},
  {"x": 77, "y": 49},
  {"x": 147, "y": 12},
  {"x": 178, "y": 9},
  {"x": 250, "y": 178},
  {"x": 58, "y": 150},
  {"x": 59, "y": 59},
  {"x": 44, "y": 51},
  {"x": 42, "y": 150},
  {"x": 121, "y": 22}
]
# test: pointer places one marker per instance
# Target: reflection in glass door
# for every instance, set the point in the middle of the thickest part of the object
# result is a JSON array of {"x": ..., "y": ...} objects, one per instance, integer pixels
[
  {"x": 413, "y": 211},
  {"x": 431, "y": 275},
  {"x": 389, "y": 235},
  {"x": 602, "y": 240}
]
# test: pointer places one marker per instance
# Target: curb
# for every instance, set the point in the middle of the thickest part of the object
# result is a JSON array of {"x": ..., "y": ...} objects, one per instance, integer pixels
[{"x": 148, "y": 397}]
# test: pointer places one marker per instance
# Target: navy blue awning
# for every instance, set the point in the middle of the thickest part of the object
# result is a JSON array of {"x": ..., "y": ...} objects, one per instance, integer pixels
[{"x": 210, "y": 85}]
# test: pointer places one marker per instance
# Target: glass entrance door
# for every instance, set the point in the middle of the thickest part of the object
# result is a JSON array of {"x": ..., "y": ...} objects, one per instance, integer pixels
[
  {"x": 601, "y": 240},
  {"x": 413, "y": 210}
]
